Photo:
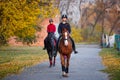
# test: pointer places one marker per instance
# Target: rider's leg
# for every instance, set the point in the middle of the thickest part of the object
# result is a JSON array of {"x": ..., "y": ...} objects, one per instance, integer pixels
[
  {"x": 73, "y": 45},
  {"x": 55, "y": 39},
  {"x": 45, "y": 42},
  {"x": 58, "y": 42}
]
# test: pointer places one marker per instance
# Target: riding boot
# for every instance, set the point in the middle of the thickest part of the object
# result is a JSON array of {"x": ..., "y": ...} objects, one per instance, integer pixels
[
  {"x": 45, "y": 42},
  {"x": 57, "y": 43},
  {"x": 73, "y": 46}
]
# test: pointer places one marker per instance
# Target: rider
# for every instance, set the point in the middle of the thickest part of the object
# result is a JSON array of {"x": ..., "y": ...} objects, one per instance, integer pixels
[
  {"x": 65, "y": 24},
  {"x": 50, "y": 30}
]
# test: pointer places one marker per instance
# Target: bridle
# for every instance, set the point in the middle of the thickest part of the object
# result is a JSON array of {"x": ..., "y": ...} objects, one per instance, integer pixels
[{"x": 65, "y": 33}]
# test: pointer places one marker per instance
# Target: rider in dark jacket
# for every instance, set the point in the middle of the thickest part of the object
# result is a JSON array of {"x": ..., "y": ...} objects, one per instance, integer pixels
[
  {"x": 67, "y": 26},
  {"x": 61, "y": 25}
]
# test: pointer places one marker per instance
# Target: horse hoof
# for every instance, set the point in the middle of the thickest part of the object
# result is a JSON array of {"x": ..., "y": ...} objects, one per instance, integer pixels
[
  {"x": 50, "y": 66},
  {"x": 64, "y": 74},
  {"x": 53, "y": 65}
]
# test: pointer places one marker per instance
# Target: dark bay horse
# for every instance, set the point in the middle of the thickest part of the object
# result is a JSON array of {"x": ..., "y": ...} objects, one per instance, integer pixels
[
  {"x": 65, "y": 50},
  {"x": 51, "y": 49}
]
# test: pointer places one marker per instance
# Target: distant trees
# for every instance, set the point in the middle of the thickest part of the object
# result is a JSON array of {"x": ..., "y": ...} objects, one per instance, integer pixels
[
  {"x": 105, "y": 13},
  {"x": 109, "y": 12},
  {"x": 18, "y": 18},
  {"x": 109, "y": 16}
]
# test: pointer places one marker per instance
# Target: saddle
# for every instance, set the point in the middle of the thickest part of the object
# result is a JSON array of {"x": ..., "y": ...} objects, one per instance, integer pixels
[{"x": 51, "y": 39}]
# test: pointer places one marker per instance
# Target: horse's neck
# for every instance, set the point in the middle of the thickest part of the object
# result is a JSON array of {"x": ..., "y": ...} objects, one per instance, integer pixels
[{"x": 50, "y": 35}]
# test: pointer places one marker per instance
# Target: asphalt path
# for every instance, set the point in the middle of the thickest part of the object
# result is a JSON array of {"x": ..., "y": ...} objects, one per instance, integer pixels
[{"x": 86, "y": 65}]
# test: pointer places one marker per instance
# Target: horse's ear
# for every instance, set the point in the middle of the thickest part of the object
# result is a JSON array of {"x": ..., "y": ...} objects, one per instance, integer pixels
[{"x": 64, "y": 30}]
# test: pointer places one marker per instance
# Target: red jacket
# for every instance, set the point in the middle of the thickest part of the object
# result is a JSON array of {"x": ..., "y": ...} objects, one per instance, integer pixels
[{"x": 51, "y": 28}]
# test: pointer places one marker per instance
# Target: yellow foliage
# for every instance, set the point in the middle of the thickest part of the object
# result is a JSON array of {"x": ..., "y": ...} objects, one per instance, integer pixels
[
  {"x": 17, "y": 15},
  {"x": 76, "y": 34},
  {"x": 111, "y": 59},
  {"x": 21, "y": 15},
  {"x": 111, "y": 62}
]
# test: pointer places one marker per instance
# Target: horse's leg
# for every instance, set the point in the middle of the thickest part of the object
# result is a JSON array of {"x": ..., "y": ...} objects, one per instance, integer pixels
[
  {"x": 54, "y": 61},
  {"x": 62, "y": 64},
  {"x": 55, "y": 54},
  {"x": 50, "y": 59},
  {"x": 67, "y": 66}
]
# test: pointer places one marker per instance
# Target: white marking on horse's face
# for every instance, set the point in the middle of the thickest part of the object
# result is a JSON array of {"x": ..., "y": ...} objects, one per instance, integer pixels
[
  {"x": 66, "y": 42},
  {"x": 66, "y": 35}
]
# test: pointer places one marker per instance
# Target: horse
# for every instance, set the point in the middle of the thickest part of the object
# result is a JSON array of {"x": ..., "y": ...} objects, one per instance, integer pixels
[
  {"x": 65, "y": 50},
  {"x": 51, "y": 49}
]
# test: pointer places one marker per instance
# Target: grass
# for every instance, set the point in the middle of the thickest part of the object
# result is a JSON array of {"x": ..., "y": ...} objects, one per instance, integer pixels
[
  {"x": 87, "y": 43},
  {"x": 111, "y": 59},
  {"x": 14, "y": 59}
]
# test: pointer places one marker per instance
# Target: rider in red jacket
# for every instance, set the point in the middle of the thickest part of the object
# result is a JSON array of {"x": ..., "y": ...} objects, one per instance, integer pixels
[
  {"x": 51, "y": 27},
  {"x": 50, "y": 30}
]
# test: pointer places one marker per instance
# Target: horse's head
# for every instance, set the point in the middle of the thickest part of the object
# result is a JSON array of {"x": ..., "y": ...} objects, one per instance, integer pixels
[
  {"x": 65, "y": 44},
  {"x": 65, "y": 36}
]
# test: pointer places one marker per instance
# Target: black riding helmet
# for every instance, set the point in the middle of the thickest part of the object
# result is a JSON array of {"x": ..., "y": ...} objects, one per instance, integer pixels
[
  {"x": 64, "y": 16},
  {"x": 50, "y": 20}
]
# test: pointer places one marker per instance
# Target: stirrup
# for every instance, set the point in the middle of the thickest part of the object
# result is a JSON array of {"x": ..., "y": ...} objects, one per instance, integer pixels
[{"x": 75, "y": 52}]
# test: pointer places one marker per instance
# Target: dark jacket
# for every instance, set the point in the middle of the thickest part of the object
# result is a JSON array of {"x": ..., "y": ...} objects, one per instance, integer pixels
[{"x": 66, "y": 25}]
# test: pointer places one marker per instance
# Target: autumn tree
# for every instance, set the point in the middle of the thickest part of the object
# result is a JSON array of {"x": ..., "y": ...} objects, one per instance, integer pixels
[
  {"x": 76, "y": 34},
  {"x": 18, "y": 18},
  {"x": 110, "y": 14}
]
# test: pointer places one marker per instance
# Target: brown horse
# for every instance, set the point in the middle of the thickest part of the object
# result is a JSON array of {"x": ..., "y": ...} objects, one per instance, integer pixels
[{"x": 65, "y": 50}]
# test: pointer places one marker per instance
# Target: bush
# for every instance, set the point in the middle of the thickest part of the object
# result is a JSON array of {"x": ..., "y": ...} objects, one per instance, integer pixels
[
  {"x": 76, "y": 34},
  {"x": 88, "y": 37},
  {"x": 111, "y": 59}
]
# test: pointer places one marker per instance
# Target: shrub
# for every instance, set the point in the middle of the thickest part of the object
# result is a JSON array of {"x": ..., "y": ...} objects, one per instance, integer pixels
[{"x": 76, "y": 34}]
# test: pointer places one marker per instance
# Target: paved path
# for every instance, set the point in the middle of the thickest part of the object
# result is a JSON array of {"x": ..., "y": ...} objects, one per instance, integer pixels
[{"x": 85, "y": 65}]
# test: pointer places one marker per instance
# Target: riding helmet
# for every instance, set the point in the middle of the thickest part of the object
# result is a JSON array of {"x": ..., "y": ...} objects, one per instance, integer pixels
[
  {"x": 64, "y": 16},
  {"x": 50, "y": 20}
]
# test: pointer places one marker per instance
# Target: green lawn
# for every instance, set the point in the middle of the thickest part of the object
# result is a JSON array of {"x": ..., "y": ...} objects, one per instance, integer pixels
[
  {"x": 111, "y": 59},
  {"x": 14, "y": 59}
]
